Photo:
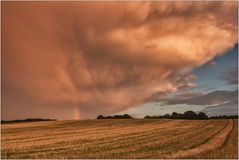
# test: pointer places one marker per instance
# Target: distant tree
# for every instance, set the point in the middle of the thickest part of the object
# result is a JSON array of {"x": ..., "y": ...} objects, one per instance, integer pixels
[
  {"x": 126, "y": 116},
  {"x": 224, "y": 117},
  {"x": 190, "y": 115},
  {"x": 100, "y": 117},
  {"x": 166, "y": 116},
  {"x": 202, "y": 115},
  {"x": 28, "y": 120},
  {"x": 180, "y": 116},
  {"x": 174, "y": 115},
  {"x": 116, "y": 117},
  {"x": 146, "y": 117}
]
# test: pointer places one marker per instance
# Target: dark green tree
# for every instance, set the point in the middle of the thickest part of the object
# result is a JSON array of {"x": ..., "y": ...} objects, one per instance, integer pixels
[
  {"x": 100, "y": 117},
  {"x": 190, "y": 115},
  {"x": 202, "y": 115}
]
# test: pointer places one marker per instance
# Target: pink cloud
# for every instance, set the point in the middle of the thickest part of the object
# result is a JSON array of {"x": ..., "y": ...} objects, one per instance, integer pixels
[{"x": 104, "y": 57}]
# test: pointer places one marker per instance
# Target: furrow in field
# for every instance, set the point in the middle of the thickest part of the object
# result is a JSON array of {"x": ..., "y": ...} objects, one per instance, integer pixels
[
  {"x": 109, "y": 139},
  {"x": 187, "y": 142},
  {"x": 48, "y": 134},
  {"x": 101, "y": 148},
  {"x": 213, "y": 143},
  {"x": 229, "y": 150},
  {"x": 127, "y": 140},
  {"x": 110, "y": 136},
  {"x": 90, "y": 135},
  {"x": 156, "y": 144},
  {"x": 104, "y": 132}
]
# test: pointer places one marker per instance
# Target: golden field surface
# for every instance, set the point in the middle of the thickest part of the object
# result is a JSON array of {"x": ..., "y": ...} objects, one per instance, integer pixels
[{"x": 125, "y": 138}]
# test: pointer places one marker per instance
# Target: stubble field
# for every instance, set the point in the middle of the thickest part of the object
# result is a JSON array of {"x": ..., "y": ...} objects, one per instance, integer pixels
[{"x": 133, "y": 138}]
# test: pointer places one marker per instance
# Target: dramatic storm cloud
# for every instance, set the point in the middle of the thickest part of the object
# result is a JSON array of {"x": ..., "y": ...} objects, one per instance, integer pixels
[{"x": 79, "y": 59}]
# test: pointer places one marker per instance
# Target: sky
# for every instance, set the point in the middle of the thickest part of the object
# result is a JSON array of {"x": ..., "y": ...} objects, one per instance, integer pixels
[
  {"x": 76, "y": 60},
  {"x": 220, "y": 74}
]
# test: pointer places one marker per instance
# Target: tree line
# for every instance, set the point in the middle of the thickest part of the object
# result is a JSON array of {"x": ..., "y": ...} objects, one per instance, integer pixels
[
  {"x": 224, "y": 117},
  {"x": 27, "y": 120},
  {"x": 125, "y": 116},
  {"x": 186, "y": 115}
]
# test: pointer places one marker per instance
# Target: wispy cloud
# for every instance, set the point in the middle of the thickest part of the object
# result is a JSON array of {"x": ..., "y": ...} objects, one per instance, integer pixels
[
  {"x": 211, "y": 98},
  {"x": 231, "y": 76}
]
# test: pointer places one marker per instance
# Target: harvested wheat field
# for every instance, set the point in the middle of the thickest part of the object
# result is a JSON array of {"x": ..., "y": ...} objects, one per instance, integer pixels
[{"x": 133, "y": 138}]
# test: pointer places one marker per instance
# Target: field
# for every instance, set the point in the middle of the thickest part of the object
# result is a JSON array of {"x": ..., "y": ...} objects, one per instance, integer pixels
[{"x": 133, "y": 138}]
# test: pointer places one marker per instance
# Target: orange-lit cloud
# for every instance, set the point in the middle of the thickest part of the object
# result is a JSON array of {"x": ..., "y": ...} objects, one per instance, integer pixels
[{"x": 103, "y": 57}]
